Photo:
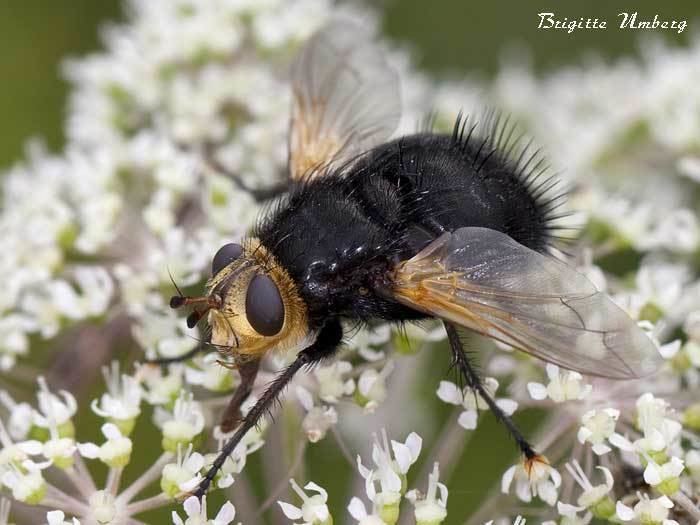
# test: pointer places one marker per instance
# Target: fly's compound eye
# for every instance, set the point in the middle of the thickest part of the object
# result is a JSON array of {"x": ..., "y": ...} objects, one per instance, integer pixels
[
  {"x": 263, "y": 306},
  {"x": 225, "y": 256}
]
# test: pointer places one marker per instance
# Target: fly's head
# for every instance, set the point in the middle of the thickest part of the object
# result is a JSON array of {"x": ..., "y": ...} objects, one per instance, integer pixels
[{"x": 251, "y": 303}]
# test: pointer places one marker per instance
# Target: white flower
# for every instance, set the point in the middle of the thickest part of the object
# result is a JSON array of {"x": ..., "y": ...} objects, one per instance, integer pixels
[
  {"x": 367, "y": 340},
  {"x": 27, "y": 484},
  {"x": 186, "y": 422},
  {"x": 206, "y": 371},
  {"x": 103, "y": 507},
  {"x": 358, "y": 511},
  {"x": 595, "y": 499},
  {"x": 331, "y": 386},
  {"x": 313, "y": 510},
  {"x": 665, "y": 478},
  {"x": 59, "y": 450},
  {"x": 236, "y": 461},
  {"x": 652, "y": 446},
  {"x": 318, "y": 419},
  {"x": 56, "y": 517},
  {"x": 53, "y": 409},
  {"x": 197, "y": 513},
  {"x": 121, "y": 404},
  {"x": 533, "y": 478},
  {"x": 20, "y": 420},
  {"x": 371, "y": 387},
  {"x": 562, "y": 386},
  {"x": 430, "y": 509},
  {"x": 162, "y": 333},
  {"x": 650, "y": 511},
  {"x": 389, "y": 472},
  {"x": 660, "y": 432},
  {"x": 16, "y": 452},
  {"x": 115, "y": 452},
  {"x": 161, "y": 389},
  {"x": 14, "y": 340},
  {"x": 472, "y": 401},
  {"x": 183, "y": 475},
  {"x": 678, "y": 231},
  {"x": 596, "y": 427}
]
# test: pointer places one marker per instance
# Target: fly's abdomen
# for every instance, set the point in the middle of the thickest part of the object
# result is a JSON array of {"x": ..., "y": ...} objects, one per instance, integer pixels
[{"x": 452, "y": 181}]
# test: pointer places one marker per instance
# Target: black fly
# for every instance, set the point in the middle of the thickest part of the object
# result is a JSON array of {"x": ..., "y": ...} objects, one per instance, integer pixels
[{"x": 455, "y": 227}]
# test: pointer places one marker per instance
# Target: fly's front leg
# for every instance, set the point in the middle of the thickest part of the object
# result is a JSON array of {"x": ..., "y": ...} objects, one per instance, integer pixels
[
  {"x": 232, "y": 415},
  {"x": 326, "y": 344}
]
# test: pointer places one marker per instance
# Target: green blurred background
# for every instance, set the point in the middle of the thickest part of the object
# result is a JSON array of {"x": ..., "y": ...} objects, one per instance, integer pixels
[
  {"x": 454, "y": 37},
  {"x": 448, "y": 37}
]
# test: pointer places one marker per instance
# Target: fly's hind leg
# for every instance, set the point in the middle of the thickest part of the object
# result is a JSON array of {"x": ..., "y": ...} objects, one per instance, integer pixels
[
  {"x": 472, "y": 379},
  {"x": 232, "y": 415},
  {"x": 259, "y": 194}
]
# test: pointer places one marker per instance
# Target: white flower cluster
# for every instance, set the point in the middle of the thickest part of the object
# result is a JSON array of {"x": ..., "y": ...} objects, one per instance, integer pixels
[
  {"x": 627, "y": 154},
  {"x": 42, "y": 439},
  {"x": 391, "y": 464},
  {"x": 184, "y": 90}
]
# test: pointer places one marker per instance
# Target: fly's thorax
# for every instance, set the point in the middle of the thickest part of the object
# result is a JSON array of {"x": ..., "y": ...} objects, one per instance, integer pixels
[{"x": 260, "y": 306}]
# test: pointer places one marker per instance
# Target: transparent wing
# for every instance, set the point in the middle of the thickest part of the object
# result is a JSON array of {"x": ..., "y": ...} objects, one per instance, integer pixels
[
  {"x": 484, "y": 280},
  {"x": 345, "y": 99}
]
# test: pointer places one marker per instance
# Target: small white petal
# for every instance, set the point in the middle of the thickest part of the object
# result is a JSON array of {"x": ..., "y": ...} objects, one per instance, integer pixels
[
  {"x": 624, "y": 512},
  {"x": 414, "y": 443},
  {"x": 226, "y": 514},
  {"x": 317, "y": 488},
  {"x": 508, "y": 406},
  {"x": 552, "y": 371},
  {"x": 583, "y": 434},
  {"x": 666, "y": 502},
  {"x": 556, "y": 477},
  {"x": 547, "y": 493},
  {"x": 305, "y": 398},
  {"x": 600, "y": 449},
  {"x": 357, "y": 509},
  {"x": 111, "y": 431},
  {"x": 192, "y": 506},
  {"x": 468, "y": 419},
  {"x": 190, "y": 484},
  {"x": 566, "y": 509},
  {"x": 621, "y": 442},
  {"x": 402, "y": 455},
  {"x": 537, "y": 391},
  {"x": 89, "y": 450},
  {"x": 292, "y": 512},
  {"x": 225, "y": 481},
  {"x": 507, "y": 479},
  {"x": 449, "y": 393}
]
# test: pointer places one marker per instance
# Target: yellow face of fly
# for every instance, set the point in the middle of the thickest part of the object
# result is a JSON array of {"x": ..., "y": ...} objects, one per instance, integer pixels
[{"x": 234, "y": 322}]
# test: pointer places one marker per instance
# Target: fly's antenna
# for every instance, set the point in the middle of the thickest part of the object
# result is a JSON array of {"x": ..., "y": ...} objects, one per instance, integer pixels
[{"x": 180, "y": 300}]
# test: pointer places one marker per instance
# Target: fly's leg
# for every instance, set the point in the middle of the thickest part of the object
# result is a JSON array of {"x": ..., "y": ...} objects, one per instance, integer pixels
[
  {"x": 460, "y": 359},
  {"x": 326, "y": 344},
  {"x": 232, "y": 414},
  {"x": 259, "y": 194}
]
